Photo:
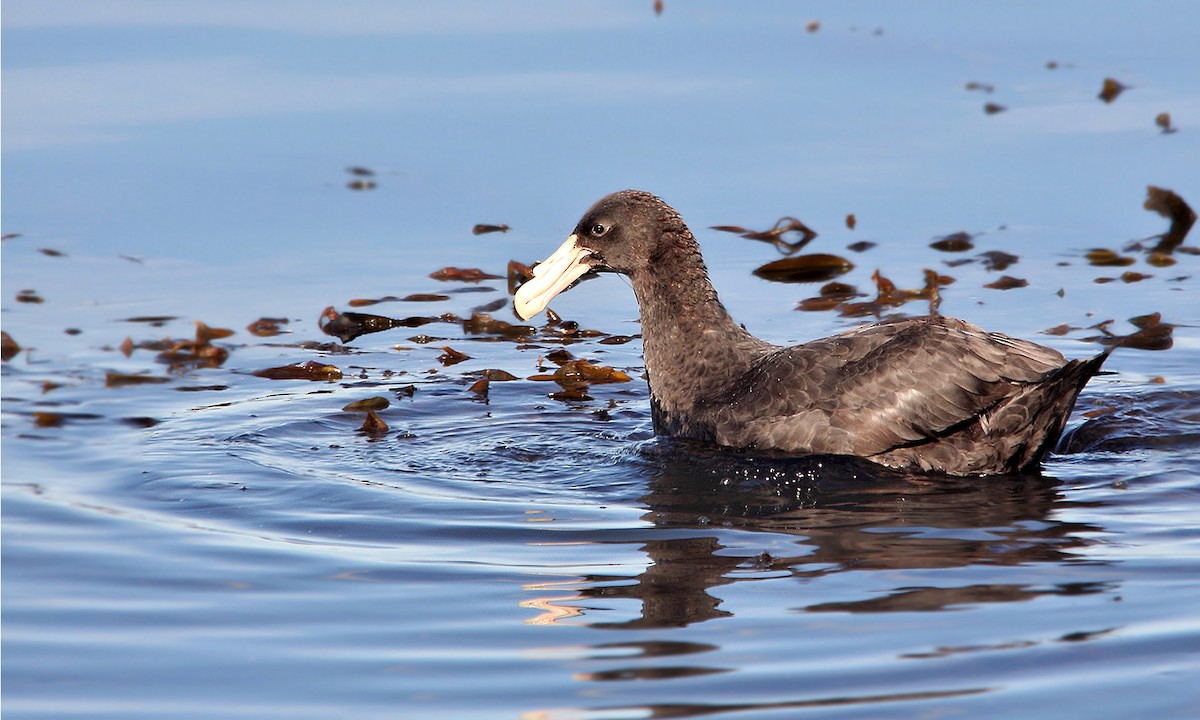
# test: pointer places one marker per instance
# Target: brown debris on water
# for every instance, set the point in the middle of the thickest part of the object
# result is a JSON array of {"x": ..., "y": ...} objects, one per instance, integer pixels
[
  {"x": 373, "y": 424},
  {"x": 360, "y": 171},
  {"x": 816, "y": 267},
  {"x": 981, "y": 87},
  {"x": 1152, "y": 334},
  {"x": 1103, "y": 257},
  {"x": 851, "y": 221},
  {"x": 861, "y": 246},
  {"x": 454, "y": 274},
  {"x": 266, "y": 327},
  {"x": 377, "y": 402},
  {"x": 775, "y": 235},
  {"x": 518, "y": 273},
  {"x": 116, "y": 379},
  {"x": 29, "y": 296},
  {"x": 997, "y": 260},
  {"x": 993, "y": 108},
  {"x": 51, "y": 252},
  {"x": 311, "y": 370},
  {"x": 1163, "y": 121},
  {"x": 8, "y": 347},
  {"x": 1111, "y": 89},
  {"x": 484, "y": 324},
  {"x": 350, "y": 325},
  {"x": 450, "y": 356},
  {"x": 832, "y": 295},
  {"x": 1169, "y": 205},
  {"x": 1007, "y": 282},
  {"x": 361, "y": 185},
  {"x": 954, "y": 242},
  {"x": 483, "y": 229}
]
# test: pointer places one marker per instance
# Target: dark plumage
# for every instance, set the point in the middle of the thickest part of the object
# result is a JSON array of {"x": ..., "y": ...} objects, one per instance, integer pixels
[{"x": 932, "y": 392}]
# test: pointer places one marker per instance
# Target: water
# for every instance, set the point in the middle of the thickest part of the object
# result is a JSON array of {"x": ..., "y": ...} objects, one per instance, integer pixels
[{"x": 225, "y": 545}]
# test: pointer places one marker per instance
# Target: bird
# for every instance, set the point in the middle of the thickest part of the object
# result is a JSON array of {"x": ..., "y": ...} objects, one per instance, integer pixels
[{"x": 932, "y": 393}]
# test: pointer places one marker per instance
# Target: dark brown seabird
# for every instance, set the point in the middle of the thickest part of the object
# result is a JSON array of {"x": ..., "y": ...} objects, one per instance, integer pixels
[{"x": 930, "y": 393}]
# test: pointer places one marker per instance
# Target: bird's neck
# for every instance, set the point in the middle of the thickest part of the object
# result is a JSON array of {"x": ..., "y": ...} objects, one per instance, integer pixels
[{"x": 692, "y": 347}]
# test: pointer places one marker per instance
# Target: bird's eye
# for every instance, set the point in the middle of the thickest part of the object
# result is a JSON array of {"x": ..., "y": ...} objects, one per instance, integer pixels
[{"x": 599, "y": 229}]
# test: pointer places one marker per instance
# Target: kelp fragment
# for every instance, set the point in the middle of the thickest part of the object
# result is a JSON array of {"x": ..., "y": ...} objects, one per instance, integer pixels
[
  {"x": 266, "y": 327},
  {"x": 361, "y": 184},
  {"x": 116, "y": 379},
  {"x": 51, "y": 252},
  {"x": 485, "y": 324},
  {"x": 954, "y": 242},
  {"x": 997, "y": 260},
  {"x": 450, "y": 356},
  {"x": 981, "y": 86},
  {"x": 815, "y": 267},
  {"x": 373, "y": 424},
  {"x": 1103, "y": 257},
  {"x": 861, "y": 246},
  {"x": 851, "y": 221},
  {"x": 993, "y": 108},
  {"x": 483, "y": 229},
  {"x": 360, "y": 171},
  {"x": 1163, "y": 121},
  {"x": 1007, "y": 282},
  {"x": 424, "y": 297},
  {"x": 8, "y": 347},
  {"x": 1152, "y": 334},
  {"x": 29, "y": 296},
  {"x": 1110, "y": 90},
  {"x": 775, "y": 235},
  {"x": 310, "y": 370},
  {"x": 372, "y": 403},
  {"x": 350, "y": 325},
  {"x": 1169, "y": 205},
  {"x": 206, "y": 334},
  {"x": 451, "y": 273}
]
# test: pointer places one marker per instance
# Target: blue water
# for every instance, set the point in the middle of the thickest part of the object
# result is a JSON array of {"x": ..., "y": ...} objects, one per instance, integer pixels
[{"x": 226, "y": 545}]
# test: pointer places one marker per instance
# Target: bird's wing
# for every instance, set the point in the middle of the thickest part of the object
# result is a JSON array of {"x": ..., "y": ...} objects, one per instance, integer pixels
[{"x": 887, "y": 385}]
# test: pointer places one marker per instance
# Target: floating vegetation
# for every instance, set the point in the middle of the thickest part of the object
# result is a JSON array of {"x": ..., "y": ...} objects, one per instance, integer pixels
[
  {"x": 993, "y": 108},
  {"x": 450, "y": 356},
  {"x": 981, "y": 87},
  {"x": 1152, "y": 334},
  {"x": 997, "y": 260},
  {"x": 310, "y": 370},
  {"x": 483, "y": 229},
  {"x": 462, "y": 275},
  {"x": 954, "y": 242},
  {"x": 1163, "y": 121},
  {"x": 851, "y": 221},
  {"x": 861, "y": 246},
  {"x": 775, "y": 235},
  {"x": 29, "y": 296},
  {"x": 361, "y": 184},
  {"x": 816, "y": 267},
  {"x": 117, "y": 379},
  {"x": 372, "y": 403},
  {"x": 350, "y": 325},
  {"x": 1007, "y": 282},
  {"x": 8, "y": 347},
  {"x": 1103, "y": 257},
  {"x": 1111, "y": 89},
  {"x": 266, "y": 327},
  {"x": 1169, "y": 205},
  {"x": 51, "y": 252}
]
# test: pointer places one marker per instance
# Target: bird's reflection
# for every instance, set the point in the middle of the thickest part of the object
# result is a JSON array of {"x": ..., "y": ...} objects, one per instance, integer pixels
[{"x": 846, "y": 515}]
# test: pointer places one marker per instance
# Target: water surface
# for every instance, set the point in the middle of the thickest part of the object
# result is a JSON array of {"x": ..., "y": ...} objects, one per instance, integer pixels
[{"x": 227, "y": 545}]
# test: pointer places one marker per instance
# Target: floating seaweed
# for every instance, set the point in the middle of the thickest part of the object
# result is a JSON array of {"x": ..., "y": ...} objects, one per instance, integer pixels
[
  {"x": 484, "y": 324},
  {"x": 981, "y": 86},
  {"x": 993, "y": 108},
  {"x": 8, "y": 347},
  {"x": 1169, "y": 205},
  {"x": 1007, "y": 282},
  {"x": 997, "y": 260},
  {"x": 483, "y": 229},
  {"x": 30, "y": 296},
  {"x": 1163, "y": 121},
  {"x": 775, "y": 235},
  {"x": 116, "y": 379},
  {"x": 1103, "y": 257},
  {"x": 861, "y": 246},
  {"x": 451, "y": 273},
  {"x": 377, "y": 402},
  {"x": 310, "y": 370},
  {"x": 350, "y": 325},
  {"x": 816, "y": 267},
  {"x": 1110, "y": 90},
  {"x": 266, "y": 327},
  {"x": 51, "y": 252},
  {"x": 361, "y": 184},
  {"x": 1152, "y": 334},
  {"x": 450, "y": 356},
  {"x": 954, "y": 242},
  {"x": 851, "y": 221}
]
